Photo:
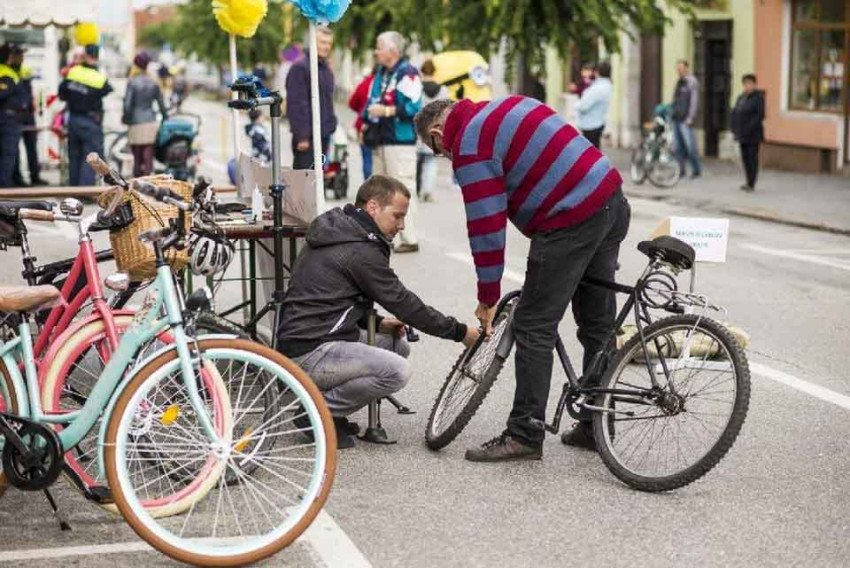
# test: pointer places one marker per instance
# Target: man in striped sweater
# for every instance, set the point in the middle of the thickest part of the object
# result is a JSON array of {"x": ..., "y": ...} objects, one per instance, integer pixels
[{"x": 516, "y": 159}]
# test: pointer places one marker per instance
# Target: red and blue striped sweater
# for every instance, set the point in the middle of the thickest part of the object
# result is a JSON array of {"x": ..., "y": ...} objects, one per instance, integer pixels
[{"x": 516, "y": 159}]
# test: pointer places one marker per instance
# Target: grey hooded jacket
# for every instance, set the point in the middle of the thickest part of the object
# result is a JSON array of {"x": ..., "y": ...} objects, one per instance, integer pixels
[
  {"x": 342, "y": 270},
  {"x": 142, "y": 92}
]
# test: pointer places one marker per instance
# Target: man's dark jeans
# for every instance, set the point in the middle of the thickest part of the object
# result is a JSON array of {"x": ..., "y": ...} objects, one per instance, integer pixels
[
  {"x": 557, "y": 261},
  {"x": 303, "y": 160}
]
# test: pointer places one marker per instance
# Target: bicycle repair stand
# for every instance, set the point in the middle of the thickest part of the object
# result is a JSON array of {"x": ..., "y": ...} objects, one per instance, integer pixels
[
  {"x": 253, "y": 94},
  {"x": 375, "y": 432}
]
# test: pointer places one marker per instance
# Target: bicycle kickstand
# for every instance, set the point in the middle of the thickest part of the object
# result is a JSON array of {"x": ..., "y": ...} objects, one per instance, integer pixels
[
  {"x": 400, "y": 408},
  {"x": 63, "y": 524}
]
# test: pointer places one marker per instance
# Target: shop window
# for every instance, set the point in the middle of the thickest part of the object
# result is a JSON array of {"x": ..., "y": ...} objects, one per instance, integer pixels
[{"x": 819, "y": 54}]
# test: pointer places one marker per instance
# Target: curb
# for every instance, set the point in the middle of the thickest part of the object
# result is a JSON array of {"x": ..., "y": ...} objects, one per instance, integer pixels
[{"x": 756, "y": 214}]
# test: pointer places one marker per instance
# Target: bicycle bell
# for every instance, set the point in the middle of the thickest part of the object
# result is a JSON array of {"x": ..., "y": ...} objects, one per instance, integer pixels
[{"x": 71, "y": 207}]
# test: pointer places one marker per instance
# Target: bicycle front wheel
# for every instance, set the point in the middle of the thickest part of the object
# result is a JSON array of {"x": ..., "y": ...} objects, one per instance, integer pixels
[
  {"x": 235, "y": 523},
  {"x": 664, "y": 434},
  {"x": 664, "y": 172},
  {"x": 469, "y": 382}
]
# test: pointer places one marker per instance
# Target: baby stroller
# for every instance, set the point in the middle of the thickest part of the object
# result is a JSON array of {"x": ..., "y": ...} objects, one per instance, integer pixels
[
  {"x": 336, "y": 171},
  {"x": 174, "y": 148}
]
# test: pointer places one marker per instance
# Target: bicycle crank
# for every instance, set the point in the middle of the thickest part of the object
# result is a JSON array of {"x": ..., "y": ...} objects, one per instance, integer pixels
[{"x": 32, "y": 453}]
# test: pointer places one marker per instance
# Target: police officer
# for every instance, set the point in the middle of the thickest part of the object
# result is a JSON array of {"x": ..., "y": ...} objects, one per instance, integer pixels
[
  {"x": 10, "y": 127},
  {"x": 26, "y": 116},
  {"x": 83, "y": 89}
]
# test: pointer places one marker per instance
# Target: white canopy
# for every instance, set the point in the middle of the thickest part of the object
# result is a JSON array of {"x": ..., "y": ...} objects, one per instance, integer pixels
[{"x": 45, "y": 12}]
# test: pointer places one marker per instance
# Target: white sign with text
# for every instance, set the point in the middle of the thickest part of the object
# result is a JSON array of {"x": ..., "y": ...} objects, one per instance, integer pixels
[{"x": 708, "y": 236}]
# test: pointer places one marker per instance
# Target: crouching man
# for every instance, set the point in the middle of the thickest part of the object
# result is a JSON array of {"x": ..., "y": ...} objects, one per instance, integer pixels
[{"x": 342, "y": 271}]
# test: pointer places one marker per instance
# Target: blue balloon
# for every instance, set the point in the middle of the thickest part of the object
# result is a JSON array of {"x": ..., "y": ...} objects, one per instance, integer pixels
[{"x": 324, "y": 11}]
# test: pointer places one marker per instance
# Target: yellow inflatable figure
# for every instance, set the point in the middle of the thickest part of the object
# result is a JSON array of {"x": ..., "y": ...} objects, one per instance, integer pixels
[
  {"x": 465, "y": 74},
  {"x": 240, "y": 17}
]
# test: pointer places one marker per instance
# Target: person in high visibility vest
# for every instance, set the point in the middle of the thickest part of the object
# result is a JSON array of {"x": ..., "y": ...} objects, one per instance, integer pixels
[
  {"x": 83, "y": 89},
  {"x": 10, "y": 126},
  {"x": 25, "y": 105}
]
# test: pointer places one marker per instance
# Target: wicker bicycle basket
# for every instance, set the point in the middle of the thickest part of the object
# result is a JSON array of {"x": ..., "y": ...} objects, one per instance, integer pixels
[{"x": 131, "y": 255}]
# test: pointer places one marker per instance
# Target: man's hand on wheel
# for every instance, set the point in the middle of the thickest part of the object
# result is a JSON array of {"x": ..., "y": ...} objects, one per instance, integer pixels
[
  {"x": 472, "y": 335},
  {"x": 391, "y": 326},
  {"x": 485, "y": 315}
]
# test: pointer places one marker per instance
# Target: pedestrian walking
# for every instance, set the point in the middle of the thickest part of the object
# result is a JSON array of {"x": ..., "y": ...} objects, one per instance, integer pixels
[
  {"x": 685, "y": 106},
  {"x": 10, "y": 124},
  {"x": 395, "y": 98},
  {"x": 357, "y": 102},
  {"x": 748, "y": 128},
  {"x": 516, "y": 159},
  {"x": 426, "y": 162},
  {"x": 139, "y": 114},
  {"x": 298, "y": 102},
  {"x": 593, "y": 105},
  {"x": 83, "y": 90}
]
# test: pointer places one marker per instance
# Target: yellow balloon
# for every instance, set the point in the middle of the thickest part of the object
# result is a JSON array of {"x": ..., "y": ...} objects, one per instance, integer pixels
[
  {"x": 240, "y": 17},
  {"x": 86, "y": 33}
]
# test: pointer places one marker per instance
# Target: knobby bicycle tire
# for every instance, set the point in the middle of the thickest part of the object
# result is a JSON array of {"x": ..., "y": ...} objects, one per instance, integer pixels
[
  {"x": 633, "y": 351},
  {"x": 436, "y": 440},
  {"x": 199, "y": 552}
]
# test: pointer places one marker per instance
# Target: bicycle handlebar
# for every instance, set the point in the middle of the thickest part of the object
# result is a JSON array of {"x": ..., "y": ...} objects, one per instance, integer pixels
[
  {"x": 162, "y": 194},
  {"x": 36, "y": 215}
]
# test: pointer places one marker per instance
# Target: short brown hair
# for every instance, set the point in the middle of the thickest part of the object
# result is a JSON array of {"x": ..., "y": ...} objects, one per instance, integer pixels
[
  {"x": 380, "y": 188},
  {"x": 429, "y": 115},
  {"x": 428, "y": 67}
]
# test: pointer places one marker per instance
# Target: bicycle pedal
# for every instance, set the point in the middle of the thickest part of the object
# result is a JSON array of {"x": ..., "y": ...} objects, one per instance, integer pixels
[{"x": 99, "y": 494}]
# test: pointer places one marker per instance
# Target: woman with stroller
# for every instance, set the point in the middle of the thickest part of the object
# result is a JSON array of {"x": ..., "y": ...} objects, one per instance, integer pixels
[{"x": 139, "y": 114}]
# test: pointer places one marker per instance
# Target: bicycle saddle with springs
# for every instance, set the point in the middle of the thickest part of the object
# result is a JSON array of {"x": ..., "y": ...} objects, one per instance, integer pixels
[{"x": 669, "y": 249}]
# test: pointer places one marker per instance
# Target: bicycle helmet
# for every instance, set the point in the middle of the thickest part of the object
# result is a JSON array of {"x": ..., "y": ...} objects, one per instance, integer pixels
[{"x": 209, "y": 253}]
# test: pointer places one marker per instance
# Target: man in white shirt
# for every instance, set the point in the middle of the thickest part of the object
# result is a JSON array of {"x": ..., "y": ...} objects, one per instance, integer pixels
[{"x": 593, "y": 106}]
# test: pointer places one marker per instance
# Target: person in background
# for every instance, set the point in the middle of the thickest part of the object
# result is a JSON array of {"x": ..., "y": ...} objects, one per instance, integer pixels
[
  {"x": 84, "y": 89},
  {"x": 593, "y": 106},
  {"x": 26, "y": 116},
  {"x": 588, "y": 71},
  {"x": 426, "y": 162},
  {"x": 685, "y": 107},
  {"x": 10, "y": 125},
  {"x": 357, "y": 102},
  {"x": 395, "y": 98},
  {"x": 748, "y": 128},
  {"x": 260, "y": 147},
  {"x": 139, "y": 115},
  {"x": 298, "y": 102}
]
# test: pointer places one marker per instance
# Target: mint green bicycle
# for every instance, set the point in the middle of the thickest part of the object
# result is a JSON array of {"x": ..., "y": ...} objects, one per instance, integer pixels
[{"x": 176, "y": 471}]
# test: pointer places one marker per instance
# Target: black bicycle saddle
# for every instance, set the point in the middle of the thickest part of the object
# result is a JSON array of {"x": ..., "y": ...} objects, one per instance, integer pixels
[{"x": 669, "y": 249}]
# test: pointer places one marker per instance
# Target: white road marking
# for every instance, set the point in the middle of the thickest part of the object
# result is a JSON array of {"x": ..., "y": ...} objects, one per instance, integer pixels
[
  {"x": 811, "y": 389},
  {"x": 329, "y": 542},
  {"x": 332, "y": 545},
  {"x": 799, "y": 256},
  {"x": 467, "y": 259}
]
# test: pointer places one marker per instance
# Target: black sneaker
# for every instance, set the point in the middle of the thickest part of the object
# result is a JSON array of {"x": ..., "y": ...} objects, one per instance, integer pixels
[
  {"x": 581, "y": 436},
  {"x": 504, "y": 448},
  {"x": 302, "y": 422},
  {"x": 346, "y": 426},
  {"x": 344, "y": 441}
]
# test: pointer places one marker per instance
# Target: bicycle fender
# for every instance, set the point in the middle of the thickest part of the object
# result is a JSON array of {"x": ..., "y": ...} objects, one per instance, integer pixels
[{"x": 101, "y": 436}]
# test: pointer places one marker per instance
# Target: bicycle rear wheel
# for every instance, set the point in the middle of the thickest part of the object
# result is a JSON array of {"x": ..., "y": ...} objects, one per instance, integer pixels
[
  {"x": 235, "y": 524},
  {"x": 637, "y": 167},
  {"x": 663, "y": 438},
  {"x": 469, "y": 381}
]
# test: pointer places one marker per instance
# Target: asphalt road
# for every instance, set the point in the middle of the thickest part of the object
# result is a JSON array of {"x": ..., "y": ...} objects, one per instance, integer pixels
[{"x": 780, "y": 497}]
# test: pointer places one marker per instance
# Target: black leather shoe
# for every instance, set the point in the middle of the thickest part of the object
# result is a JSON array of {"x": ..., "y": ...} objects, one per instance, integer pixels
[
  {"x": 344, "y": 441},
  {"x": 581, "y": 436},
  {"x": 345, "y": 426},
  {"x": 504, "y": 448}
]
